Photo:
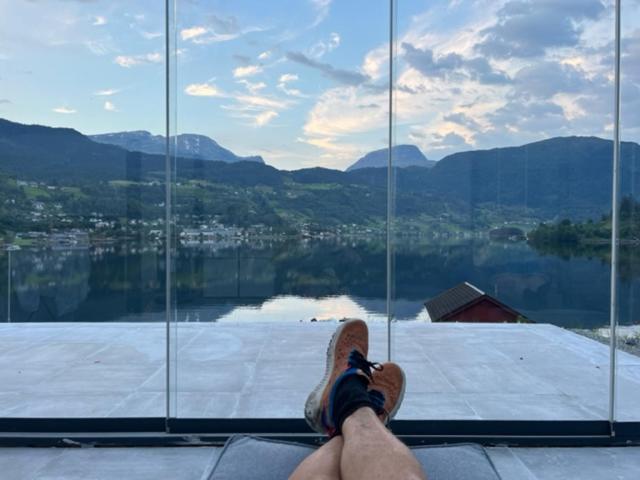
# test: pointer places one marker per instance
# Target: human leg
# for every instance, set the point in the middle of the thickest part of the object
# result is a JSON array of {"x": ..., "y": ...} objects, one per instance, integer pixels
[
  {"x": 371, "y": 452},
  {"x": 323, "y": 464}
]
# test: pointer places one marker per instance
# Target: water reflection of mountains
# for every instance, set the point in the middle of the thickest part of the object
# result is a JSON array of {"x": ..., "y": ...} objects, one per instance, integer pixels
[{"x": 117, "y": 285}]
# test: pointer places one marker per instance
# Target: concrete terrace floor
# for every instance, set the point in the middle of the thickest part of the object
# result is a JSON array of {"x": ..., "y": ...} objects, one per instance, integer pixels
[
  {"x": 454, "y": 371},
  {"x": 194, "y": 463}
]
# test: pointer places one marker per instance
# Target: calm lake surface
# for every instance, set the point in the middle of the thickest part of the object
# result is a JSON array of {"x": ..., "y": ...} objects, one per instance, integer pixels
[{"x": 298, "y": 281}]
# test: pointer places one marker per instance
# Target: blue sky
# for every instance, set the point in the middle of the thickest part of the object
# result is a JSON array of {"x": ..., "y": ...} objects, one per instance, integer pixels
[{"x": 304, "y": 82}]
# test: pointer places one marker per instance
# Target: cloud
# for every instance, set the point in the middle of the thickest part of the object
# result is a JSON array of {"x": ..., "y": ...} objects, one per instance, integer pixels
[
  {"x": 216, "y": 29},
  {"x": 203, "y": 90},
  {"x": 64, "y": 110},
  {"x": 346, "y": 77},
  {"x": 224, "y": 25},
  {"x": 321, "y": 8},
  {"x": 476, "y": 68},
  {"x": 107, "y": 92},
  {"x": 253, "y": 87},
  {"x": 128, "y": 61},
  {"x": 288, "y": 77},
  {"x": 336, "y": 113},
  {"x": 529, "y": 28},
  {"x": 546, "y": 78},
  {"x": 99, "y": 20},
  {"x": 253, "y": 101},
  {"x": 248, "y": 71},
  {"x": 283, "y": 85},
  {"x": 193, "y": 32},
  {"x": 375, "y": 60},
  {"x": 4, "y": 101},
  {"x": 242, "y": 59},
  {"x": 321, "y": 48},
  {"x": 264, "y": 55},
  {"x": 530, "y": 119},
  {"x": 449, "y": 140},
  {"x": 150, "y": 35},
  {"x": 462, "y": 119},
  {"x": 263, "y": 118},
  {"x": 109, "y": 106}
]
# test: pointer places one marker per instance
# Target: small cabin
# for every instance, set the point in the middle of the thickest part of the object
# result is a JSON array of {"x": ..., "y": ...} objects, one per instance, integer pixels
[{"x": 467, "y": 303}]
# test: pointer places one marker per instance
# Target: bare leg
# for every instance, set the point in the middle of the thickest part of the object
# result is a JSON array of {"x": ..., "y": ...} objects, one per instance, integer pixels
[
  {"x": 323, "y": 464},
  {"x": 371, "y": 451}
]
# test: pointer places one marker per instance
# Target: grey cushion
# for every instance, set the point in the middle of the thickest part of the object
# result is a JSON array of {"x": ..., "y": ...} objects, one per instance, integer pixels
[{"x": 253, "y": 458}]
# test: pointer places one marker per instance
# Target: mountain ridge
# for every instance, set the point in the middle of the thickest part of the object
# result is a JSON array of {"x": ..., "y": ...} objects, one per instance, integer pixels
[
  {"x": 561, "y": 177},
  {"x": 403, "y": 156},
  {"x": 188, "y": 145}
]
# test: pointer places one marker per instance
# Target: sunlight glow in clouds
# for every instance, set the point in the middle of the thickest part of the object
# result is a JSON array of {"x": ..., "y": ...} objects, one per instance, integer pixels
[
  {"x": 202, "y": 90},
  {"x": 265, "y": 117},
  {"x": 469, "y": 73},
  {"x": 248, "y": 71},
  {"x": 64, "y": 110}
]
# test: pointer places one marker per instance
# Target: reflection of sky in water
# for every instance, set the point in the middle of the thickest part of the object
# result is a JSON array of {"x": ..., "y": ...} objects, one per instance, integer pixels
[
  {"x": 297, "y": 309},
  {"x": 292, "y": 308}
]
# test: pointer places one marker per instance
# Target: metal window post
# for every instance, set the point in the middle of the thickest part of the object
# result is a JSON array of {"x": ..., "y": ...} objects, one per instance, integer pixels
[
  {"x": 390, "y": 182},
  {"x": 615, "y": 225},
  {"x": 167, "y": 212}
]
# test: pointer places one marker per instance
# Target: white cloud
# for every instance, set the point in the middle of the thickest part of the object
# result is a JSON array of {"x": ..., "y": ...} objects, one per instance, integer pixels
[
  {"x": 247, "y": 71},
  {"x": 263, "y": 118},
  {"x": 323, "y": 47},
  {"x": 321, "y": 8},
  {"x": 264, "y": 55},
  {"x": 64, "y": 110},
  {"x": 253, "y": 87},
  {"x": 375, "y": 60},
  {"x": 150, "y": 35},
  {"x": 221, "y": 30},
  {"x": 338, "y": 112},
  {"x": 285, "y": 79},
  {"x": 99, "y": 20},
  {"x": 109, "y": 106},
  {"x": 258, "y": 101},
  {"x": 128, "y": 61},
  {"x": 203, "y": 90},
  {"x": 288, "y": 77},
  {"x": 193, "y": 32},
  {"x": 107, "y": 92}
]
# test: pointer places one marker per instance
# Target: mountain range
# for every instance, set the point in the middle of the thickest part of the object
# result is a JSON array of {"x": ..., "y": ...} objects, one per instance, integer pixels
[
  {"x": 562, "y": 177},
  {"x": 188, "y": 145},
  {"x": 402, "y": 156}
]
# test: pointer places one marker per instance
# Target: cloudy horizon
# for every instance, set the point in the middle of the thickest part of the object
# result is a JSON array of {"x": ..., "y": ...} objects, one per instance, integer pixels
[{"x": 305, "y": 83}]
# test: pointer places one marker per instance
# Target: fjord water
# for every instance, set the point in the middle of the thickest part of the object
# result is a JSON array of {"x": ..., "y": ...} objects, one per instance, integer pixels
[{"x": 305, "y": 280}]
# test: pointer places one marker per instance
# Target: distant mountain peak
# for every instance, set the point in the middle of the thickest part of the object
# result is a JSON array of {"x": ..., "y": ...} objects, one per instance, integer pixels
[
  {"x": 403, "y": 156},
  {"x": 189, "y": 145}
]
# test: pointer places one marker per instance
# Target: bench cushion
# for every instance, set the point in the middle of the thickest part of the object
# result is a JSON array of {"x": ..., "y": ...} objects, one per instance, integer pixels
[{"x": 252, "y": 458}]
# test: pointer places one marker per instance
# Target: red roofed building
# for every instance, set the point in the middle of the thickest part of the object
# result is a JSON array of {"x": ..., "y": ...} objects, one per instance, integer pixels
[{"x": 467, "y": 303}]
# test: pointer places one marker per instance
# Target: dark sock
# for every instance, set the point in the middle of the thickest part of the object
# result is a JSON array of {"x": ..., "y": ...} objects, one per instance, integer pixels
[{"x": 351, "y": 394}]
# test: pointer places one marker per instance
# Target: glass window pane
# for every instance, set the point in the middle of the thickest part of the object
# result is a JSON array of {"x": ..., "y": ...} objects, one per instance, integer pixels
[
  {"x": 628, "y": 283},
  {"x": 502, "y": 275},
  {"x": 82, "y": 210},
  {"x": 276, "y": 241}
]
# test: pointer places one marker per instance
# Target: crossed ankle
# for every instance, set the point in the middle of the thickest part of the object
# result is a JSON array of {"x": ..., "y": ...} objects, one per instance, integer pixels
[{"x": 362, "y": 417}]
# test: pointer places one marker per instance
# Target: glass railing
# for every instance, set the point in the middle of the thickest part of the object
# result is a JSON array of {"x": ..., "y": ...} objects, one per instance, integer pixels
[{"x": 202, "y": 275}]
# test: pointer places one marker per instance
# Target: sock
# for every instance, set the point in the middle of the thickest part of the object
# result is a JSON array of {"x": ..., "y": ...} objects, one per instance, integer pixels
[{"x": 351, "y": 394}]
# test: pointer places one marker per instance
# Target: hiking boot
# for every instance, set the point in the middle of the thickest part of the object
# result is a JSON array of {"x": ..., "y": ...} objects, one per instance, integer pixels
[
  {"x": 344, "y": 385},
  {"x": 386, "y": 391}
]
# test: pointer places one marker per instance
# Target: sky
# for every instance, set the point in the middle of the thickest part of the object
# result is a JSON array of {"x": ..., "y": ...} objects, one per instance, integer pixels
[{"x": 306, "y": 82}]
